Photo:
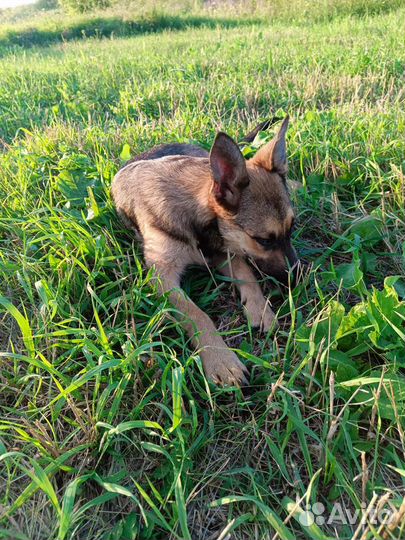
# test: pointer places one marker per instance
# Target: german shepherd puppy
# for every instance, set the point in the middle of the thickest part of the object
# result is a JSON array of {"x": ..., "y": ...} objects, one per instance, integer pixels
[{"x": 193, "y": 207}]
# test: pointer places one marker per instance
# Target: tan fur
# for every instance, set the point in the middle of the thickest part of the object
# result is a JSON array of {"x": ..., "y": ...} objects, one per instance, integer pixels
[{"x": 187, "y": 211}]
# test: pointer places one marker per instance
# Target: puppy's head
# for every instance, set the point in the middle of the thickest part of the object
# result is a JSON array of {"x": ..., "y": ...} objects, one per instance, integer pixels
[{"x": 254, "y": 210}]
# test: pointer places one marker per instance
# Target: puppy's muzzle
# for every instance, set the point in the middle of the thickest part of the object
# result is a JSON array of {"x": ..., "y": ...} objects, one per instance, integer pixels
[{"x": 283, "y": 265}]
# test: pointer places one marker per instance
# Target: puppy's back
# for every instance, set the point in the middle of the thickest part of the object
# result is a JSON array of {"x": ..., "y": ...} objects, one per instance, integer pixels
[
  {"x": 168, "y": 193},
  {"x": 173, "y": 149}
]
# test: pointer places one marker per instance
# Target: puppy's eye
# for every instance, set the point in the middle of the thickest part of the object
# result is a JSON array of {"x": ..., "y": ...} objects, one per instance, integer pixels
[{"x": 267, "y": 243}]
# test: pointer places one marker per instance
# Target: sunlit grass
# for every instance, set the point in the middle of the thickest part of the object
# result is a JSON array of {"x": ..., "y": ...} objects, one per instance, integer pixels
[{"x": 108, "y": 428}]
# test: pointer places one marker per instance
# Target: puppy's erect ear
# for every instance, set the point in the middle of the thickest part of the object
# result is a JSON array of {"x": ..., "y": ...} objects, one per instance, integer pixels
[
  {"x": 250, "y": 137},
  {"x": 273, "y": 155},
  {"x": 228, "y": 169}
]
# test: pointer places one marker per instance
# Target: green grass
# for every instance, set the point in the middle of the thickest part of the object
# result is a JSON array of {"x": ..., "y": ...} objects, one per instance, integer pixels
[
  {"x": 108, "y": 429},
  {"x": 28, "y": 26}
]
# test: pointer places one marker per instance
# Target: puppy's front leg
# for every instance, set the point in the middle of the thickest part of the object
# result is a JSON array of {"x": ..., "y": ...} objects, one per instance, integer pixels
[
  {"x": 220, "y": 363},
  {"x": 257, "y": 308},
  {"x": 170, "y": 258}
]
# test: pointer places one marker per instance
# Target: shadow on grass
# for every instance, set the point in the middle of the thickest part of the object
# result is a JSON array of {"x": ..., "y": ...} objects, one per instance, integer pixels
[
  {"x": 112, "y": 27},
  {"x": 81, "y": 27}
]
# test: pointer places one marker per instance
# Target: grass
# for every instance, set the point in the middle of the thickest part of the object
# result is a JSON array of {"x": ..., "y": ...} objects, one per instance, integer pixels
[
  {"x": 28, "y": 26},
  {"x": 108, "y": 429}
]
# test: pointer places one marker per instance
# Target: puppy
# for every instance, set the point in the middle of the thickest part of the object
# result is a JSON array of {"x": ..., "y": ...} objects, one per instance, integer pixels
[{"x": 192, "y": 207}]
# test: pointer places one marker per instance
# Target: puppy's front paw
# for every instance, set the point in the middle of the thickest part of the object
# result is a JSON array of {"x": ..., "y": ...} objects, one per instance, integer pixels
[
  {"x": 223, "y": 367},
  {"x": 261, "y": 316}
]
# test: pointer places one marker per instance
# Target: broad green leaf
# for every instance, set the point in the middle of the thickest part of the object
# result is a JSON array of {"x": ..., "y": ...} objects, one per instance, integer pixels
[{"x": 125, "y": 154}]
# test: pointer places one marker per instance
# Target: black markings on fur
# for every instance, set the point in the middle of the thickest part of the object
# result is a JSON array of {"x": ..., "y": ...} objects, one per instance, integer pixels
[
  {"x": 174, "y": 149},
  {"x": 274, "y": 242},
  {"x": 283, "y": 178},
  {"x": 209, "y": 239}
]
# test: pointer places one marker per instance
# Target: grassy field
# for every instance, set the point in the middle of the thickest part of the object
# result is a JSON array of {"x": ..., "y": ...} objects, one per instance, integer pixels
[{"x": 108, "y": 428}]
